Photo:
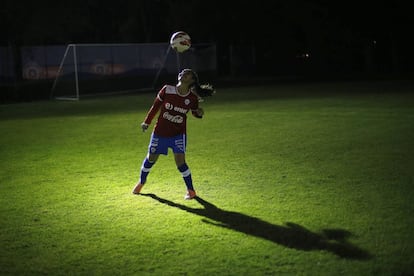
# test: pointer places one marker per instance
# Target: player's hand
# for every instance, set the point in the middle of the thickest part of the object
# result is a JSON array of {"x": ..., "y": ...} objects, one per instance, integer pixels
[
  {"x": 144, "y": 127},
  {"x": 200, "y": 112}
]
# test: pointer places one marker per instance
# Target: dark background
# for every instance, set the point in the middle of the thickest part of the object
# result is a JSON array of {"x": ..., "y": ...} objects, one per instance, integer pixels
[{"x": 313, "y": 39}]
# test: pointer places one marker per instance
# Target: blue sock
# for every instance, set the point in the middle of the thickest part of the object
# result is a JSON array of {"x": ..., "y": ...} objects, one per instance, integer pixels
[
  {"x": 186, "y": 173},
  {"x": 145, "y": 169}
]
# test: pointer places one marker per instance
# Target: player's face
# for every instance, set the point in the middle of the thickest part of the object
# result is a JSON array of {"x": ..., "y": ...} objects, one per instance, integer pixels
[{"x": 187, "y": 78}]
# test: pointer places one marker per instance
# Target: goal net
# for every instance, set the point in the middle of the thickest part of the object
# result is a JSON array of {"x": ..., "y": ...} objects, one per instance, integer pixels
[{"x": 99, "y": 69}]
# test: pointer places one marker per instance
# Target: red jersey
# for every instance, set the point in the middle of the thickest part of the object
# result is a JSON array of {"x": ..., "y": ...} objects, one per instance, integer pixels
[{"x": 172, "y": 120}]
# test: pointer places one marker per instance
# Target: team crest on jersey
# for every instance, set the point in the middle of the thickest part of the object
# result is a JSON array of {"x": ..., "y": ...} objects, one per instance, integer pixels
[{"x": 187, "y": 101}]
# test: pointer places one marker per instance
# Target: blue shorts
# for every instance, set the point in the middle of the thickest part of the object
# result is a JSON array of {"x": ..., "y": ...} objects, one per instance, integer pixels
[{"x": 160, "y": 145}]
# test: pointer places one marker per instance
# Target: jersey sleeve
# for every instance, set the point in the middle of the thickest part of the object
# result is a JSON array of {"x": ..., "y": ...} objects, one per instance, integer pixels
[{"x": 155, "y": 106}]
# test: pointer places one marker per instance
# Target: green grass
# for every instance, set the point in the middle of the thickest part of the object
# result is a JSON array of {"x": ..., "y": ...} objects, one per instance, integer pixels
[{"x": 310, "y": 179}]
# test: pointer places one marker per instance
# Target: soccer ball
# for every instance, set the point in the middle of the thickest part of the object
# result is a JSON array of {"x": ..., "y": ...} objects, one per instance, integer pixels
[{"x": 180, "y": 41}]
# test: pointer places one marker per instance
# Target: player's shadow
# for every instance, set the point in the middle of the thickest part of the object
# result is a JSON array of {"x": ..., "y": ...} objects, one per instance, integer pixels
[{"x": 290, "y": 235}]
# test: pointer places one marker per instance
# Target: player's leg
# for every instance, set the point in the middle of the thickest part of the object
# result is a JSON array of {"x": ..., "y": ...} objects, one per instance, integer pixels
[
  {"x": 156, "y": 147},
  {"x": 146, "y": 166},
  {"x": 186, "y": 173},
  {"x": 178, "y": 146}
]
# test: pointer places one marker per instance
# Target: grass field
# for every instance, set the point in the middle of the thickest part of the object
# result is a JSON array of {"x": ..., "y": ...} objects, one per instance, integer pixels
[{"x": 302, "y": 179}]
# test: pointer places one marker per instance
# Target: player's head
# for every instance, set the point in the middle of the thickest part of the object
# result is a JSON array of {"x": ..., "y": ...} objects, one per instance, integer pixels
[{"x": 188, "y": 76}]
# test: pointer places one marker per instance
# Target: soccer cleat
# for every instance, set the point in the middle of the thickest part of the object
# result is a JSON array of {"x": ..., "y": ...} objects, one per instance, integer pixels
[
  {"x": 190, "y": 194},
  {"x": 137, "y": 188}
]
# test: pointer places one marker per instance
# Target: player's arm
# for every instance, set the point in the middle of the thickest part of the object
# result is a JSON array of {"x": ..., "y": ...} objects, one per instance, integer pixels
[
  {"x": 196, "y": 110},
  {"x": 153, "y": 110}
]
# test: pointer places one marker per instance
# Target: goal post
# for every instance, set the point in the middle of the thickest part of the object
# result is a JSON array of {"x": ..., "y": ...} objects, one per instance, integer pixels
[
  {"x": 64, "y": 64},
  {"x": 106, "y": 69}
]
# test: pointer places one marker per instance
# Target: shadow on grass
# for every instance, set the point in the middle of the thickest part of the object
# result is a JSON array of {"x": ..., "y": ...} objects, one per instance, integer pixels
[{"x": 290, "y": 235}]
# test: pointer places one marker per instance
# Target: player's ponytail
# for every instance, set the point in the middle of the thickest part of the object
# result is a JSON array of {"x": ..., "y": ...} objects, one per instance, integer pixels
[{"x": 203, "y": 90}]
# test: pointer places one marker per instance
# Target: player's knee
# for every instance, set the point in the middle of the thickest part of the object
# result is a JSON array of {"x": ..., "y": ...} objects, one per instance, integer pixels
[{"x": 179, "y": 160}]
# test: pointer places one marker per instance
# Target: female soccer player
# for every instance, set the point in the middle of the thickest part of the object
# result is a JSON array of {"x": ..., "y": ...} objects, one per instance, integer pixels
[{"x": 173, "y": 102}]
